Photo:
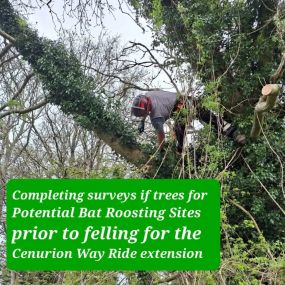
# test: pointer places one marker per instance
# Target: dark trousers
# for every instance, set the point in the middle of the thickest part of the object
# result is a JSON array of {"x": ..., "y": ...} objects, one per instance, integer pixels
[{"x": 208, "y": 117}]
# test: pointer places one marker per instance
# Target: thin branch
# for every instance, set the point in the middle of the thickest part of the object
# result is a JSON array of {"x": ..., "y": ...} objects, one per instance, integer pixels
[
  {"x": 279, "y": 160},
  {"x": 262, "y": 185},
  {"x": 5, "y": 50},
  {"x": 130, "y": 84},
  {"x": 9, "y": 59},
  {"x": 158, "y": 63},
  {"x": 27, "y": 79},
  {"x": 254, "y": 222},
  {"x": 24, "y": 147},
  {"x": 129, "y": 14},
  {"x": 233, "y": 159},
  {"x": 279, "y": 71},
  {"x": 24, "y": 111}
]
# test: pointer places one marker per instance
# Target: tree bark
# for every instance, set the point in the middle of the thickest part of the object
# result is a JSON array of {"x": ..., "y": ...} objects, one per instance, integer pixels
[{"x": 265, "y": 104}]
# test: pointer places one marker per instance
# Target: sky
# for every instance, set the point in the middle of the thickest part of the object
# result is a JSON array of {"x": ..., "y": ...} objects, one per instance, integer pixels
[{"x": 115, "y": 24}]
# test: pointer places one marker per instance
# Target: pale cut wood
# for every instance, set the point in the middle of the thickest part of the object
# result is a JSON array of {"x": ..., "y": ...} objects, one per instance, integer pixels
[{"x": 266, "y": 103}]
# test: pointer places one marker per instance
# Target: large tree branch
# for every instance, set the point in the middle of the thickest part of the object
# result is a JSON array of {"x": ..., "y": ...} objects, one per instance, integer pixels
[
  {"x": 267, "y": 101},
  {"x": 68, "y": 86},
  {"x": 7, "y": 36}
]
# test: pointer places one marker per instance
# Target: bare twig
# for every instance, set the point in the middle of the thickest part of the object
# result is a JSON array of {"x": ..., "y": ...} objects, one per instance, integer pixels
[
  {"x": 279, "y": 160},
  {"x": 254, "y": 222},
  {"x": 24, "y": 111},
  {"x": 262, "y": 185},
  {"x": 16, "y": 95},
  {"x": 9, "y": 59},
  {"x": 128, "y": 83},
  {"x": 161, "y": 66}
]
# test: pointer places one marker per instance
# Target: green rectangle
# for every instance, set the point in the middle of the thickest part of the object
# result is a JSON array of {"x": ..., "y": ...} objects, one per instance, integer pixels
[{"x": 113, "y": 224}]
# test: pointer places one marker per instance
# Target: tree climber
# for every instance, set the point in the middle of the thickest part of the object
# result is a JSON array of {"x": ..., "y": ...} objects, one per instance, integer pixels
[{"x": 162, "y": 105}]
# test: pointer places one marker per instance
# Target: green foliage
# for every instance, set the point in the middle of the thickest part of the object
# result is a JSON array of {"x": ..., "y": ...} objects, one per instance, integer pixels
[
  {"x": 22, "y": 23},
  {"x": 263, "y": 158},
  {"x": 250, "y": 263},
  {"x": 182, "y": 116},
  {"x": 228, "y": 41},
  {"x": 13, "y": 103},
  {"x": 157, "y": 13},
  {"x": 211, "y": 102},
  {"x": 90, "y": 278},
  {"x": 233, "y": 48}
]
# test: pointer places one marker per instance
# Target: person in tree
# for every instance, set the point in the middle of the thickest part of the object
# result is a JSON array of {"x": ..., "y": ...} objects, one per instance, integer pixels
[{"x": 162, "y": 105}]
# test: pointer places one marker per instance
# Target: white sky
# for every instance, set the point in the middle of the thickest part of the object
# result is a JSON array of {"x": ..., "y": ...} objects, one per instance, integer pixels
[{"x": 115, "y": 24}]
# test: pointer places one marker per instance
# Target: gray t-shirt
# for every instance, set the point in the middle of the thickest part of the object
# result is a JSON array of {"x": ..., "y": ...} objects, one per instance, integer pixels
[{"x": 162, "y": 103}]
